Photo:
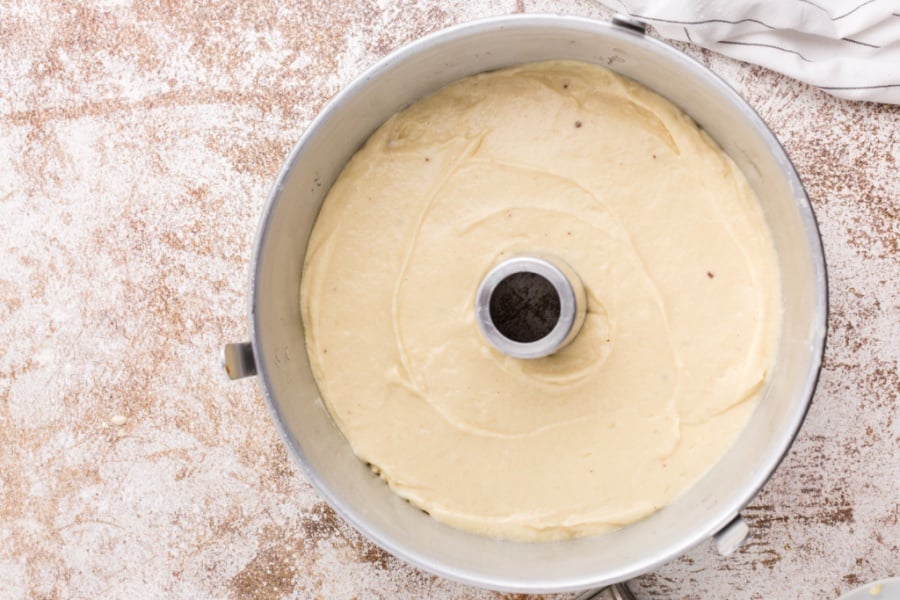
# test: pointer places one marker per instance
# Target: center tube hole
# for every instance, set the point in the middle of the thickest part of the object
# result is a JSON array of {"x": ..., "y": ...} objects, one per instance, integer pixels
[{"x": 524, "y": 307}]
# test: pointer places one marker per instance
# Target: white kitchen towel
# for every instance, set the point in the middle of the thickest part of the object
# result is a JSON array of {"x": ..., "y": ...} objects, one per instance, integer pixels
[{"x": 849, "y": 48}]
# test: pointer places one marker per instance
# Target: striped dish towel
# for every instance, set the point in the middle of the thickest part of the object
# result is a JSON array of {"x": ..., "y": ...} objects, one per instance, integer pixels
[{"x": 849, "y": 48}]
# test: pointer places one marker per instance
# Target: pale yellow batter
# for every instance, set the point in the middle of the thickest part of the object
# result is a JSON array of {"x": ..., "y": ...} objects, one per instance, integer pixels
[{"x": 567, "y": 159}]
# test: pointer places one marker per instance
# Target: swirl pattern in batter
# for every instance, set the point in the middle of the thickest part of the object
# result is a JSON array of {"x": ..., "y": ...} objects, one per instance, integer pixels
[{"x": 683, "y": 292}]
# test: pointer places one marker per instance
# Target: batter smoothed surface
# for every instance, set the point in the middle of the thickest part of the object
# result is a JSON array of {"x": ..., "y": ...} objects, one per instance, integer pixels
[{"x": 560, "y": 158}]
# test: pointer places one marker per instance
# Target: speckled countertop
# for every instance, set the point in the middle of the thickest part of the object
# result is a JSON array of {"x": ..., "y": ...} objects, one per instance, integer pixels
[{"x": 138, "y": 142}]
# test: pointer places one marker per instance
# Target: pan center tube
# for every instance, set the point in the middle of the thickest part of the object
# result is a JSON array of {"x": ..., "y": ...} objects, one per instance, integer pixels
[{"x": 530, "y": 306}]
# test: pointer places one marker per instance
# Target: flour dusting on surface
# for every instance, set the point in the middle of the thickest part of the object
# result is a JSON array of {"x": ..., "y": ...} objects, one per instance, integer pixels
[{"x": 138, "y": 143}]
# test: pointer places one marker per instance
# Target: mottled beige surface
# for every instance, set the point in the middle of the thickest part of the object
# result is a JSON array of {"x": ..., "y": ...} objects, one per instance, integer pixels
[{"x": 137, "y": 145}]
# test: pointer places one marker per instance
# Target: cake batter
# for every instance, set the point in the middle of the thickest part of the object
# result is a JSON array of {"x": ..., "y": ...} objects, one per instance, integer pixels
[{"x": 682, "y": 286}]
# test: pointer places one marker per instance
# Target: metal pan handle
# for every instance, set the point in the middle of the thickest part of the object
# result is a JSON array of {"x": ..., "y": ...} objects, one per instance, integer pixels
[{"x": 238, "y": 360}]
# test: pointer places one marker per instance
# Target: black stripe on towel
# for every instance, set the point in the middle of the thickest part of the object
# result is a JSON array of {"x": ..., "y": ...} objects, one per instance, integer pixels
[
  {"x": 703, "y": 22},
  {"x": 851, "y": 11},
  {"x": 860, "y": 43},
  {"x": 859, "y": 87},
  {"x": 764, "y": 46}
]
